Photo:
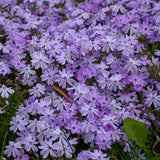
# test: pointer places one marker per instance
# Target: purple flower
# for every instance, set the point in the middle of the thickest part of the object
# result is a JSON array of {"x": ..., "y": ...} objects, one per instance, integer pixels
[
  {"x": 114, "y": 106},
  {"x": 83, "y": 155},
  {"x": 47, "y": 148},
  {"x": 18, "y": 123},
  {"x": 30, "y": 81},
  {"x": 57, "y": 134},
  {"x": 117, "y": 6},
  {"x": 62, "y": 148},
  {"x": 114, "y": 82},
  {"x": 74, "y": 126},
  {"x": 102, "y": 13},
  {"x": 5, "y": 90},
  {"x": 64, "y": 56},
  {"x": 102, "y": 68},
  {"x": 123, "y": 114},
  {"x": 39, "y": 60},
  {"x": 80, "y": 93},
  {"x": 46, "y": 43},
  {"x": 76, "y": 21},
  {"x": 153, "y": 98},
  {"x": 120, "y": 20},
  {"x": 49, "y": 75},
  {"x": 145, "y": 61},
  {"x": 94, "y": 97},
  {"x": 97, "y": 155},
  {"x": 103, "y": 140},
  {"x": 81, "y": 75},
  {"x": 69, "y": 34},
  {"x": 109, "y": 43},
  {"x": 18, "y": 63},
  {"x": 144, "y": 1},
  {"x": 22, "y": 156},
  {"x": 115, "y": 134},
  {"x": 110, "y": 119},
  {"x": 104, "y": 102},
  {"x": 96, "y": 44},
  {"x": 42, "y": 106},
  {"x": 113, "y": 61},
  {"x": 64, "y": 77},
  {"x": 89, "y": 111},
  {"x": 30, "y": 143},
  {"x": 132, "y": 65},
  {"x": 12, "y": 149},
  {"x": 68, "y": 150},
  {"x": 27, "y": 72},
  {"x": 23, "y": 111},
  {"x": 32, "y": 22},
  {"x": 137, "y": 81},
  {"x": 48, "y": 115},
  {"x": 134, "y": 110},
  {"x": 37, "y": 90},
  {"x": 31, "y": 105},
  {"x": 157, "y": 86},
  {"x": 126, "y": 47},
  {"x": 88, "y": 126},
  {"x": 4, "y": 68},
  {"x": 35, "y": 125},
  {"x": 60, "y": 103},
  {"x": 146, "y": 28},
  {"x": 70, "y": 111},
  {"x": 103, "y": 80}
]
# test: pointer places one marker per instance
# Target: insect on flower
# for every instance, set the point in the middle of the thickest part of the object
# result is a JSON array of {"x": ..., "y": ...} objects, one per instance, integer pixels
[{"x": 62, "y": 92}]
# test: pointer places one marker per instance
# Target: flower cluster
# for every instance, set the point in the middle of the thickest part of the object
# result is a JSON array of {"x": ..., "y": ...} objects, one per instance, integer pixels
[{"x": 103, "y": 53}]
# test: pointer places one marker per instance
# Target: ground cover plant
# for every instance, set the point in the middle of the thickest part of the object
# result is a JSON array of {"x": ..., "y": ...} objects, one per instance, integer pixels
[{"x": 79, "y": 79}]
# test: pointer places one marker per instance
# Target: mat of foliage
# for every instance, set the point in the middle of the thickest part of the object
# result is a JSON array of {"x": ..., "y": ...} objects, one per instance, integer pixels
[{"x": 79, "y": 79}]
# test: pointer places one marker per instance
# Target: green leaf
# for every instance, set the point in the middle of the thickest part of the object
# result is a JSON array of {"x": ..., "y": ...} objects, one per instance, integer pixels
[{"x": 136, "y": 131}]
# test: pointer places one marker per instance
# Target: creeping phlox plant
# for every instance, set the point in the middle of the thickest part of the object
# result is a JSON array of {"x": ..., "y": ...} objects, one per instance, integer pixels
[{"x": 101, "y": 56}]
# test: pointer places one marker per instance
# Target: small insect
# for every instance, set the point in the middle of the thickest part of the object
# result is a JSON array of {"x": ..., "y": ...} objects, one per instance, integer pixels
[{"x": 62, "y": 92}]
